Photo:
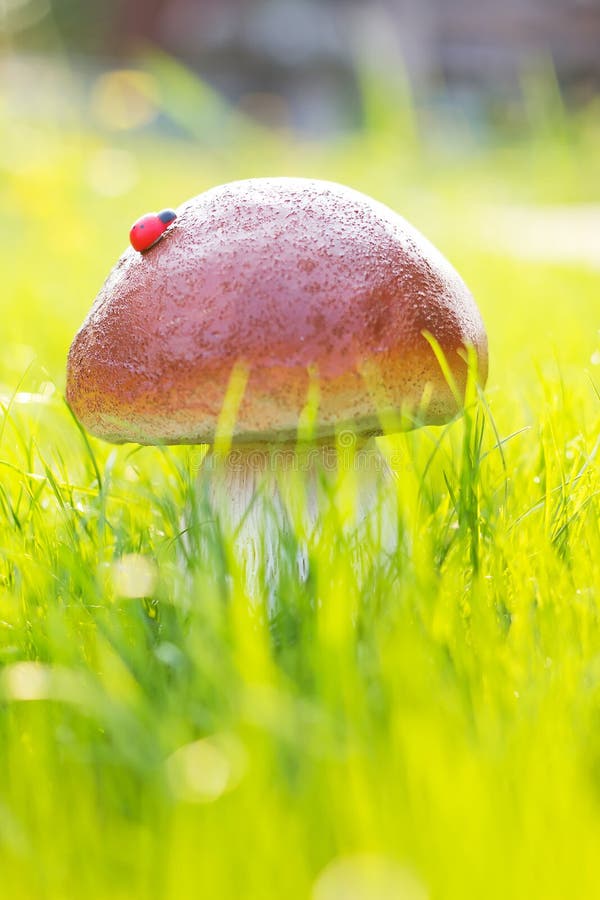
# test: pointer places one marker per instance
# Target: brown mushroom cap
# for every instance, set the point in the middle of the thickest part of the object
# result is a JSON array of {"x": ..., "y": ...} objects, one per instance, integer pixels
[{"x": 285, "y": 276}]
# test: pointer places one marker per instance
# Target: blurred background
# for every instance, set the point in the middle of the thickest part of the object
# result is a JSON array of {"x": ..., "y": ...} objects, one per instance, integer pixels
[
  {"x": 299, "y": 63},
  {"x": 478, "y": 120}
]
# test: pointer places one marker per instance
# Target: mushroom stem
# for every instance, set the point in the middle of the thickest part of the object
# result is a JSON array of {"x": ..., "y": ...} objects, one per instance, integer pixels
[{"x": 260, "y": 492}]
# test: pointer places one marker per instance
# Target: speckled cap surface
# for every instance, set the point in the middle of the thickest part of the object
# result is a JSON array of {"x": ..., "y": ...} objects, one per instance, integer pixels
[{"x": 289, "y": 279}]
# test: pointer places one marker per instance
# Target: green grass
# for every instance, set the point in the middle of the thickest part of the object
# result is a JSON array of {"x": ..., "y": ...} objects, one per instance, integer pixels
[{"x": 430, "y": 714}]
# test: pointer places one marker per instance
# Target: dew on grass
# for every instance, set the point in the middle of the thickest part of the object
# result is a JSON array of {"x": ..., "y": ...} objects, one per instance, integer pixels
[
  {"x": 25, "y": 398},
  {"x": 26, "y": 681},
  {"x": 367, "y": 877},
  {"x": 204, "y": 770},
  {"x": 134, "y": 575}
]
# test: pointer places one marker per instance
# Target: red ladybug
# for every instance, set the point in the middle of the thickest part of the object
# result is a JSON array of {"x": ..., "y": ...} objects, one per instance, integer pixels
[{"x": 146, "y": 231}]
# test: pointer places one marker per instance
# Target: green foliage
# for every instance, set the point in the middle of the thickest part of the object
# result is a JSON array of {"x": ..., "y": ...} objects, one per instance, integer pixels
[{"x": 432, "y": 710}]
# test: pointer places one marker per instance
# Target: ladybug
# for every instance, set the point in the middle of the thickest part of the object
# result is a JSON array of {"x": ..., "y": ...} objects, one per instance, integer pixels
[{"x": 149, "y": 228}]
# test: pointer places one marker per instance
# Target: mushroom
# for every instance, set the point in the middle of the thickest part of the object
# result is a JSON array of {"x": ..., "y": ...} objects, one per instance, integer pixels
[{"x": 273, "y": 309}]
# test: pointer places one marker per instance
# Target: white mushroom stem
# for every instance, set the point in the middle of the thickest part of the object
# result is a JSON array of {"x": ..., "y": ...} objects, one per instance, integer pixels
[{"x": 260, "y": 491}]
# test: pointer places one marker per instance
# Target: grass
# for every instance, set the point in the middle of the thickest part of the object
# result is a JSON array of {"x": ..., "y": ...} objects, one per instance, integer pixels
[{"x": 423, "y": 725}]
